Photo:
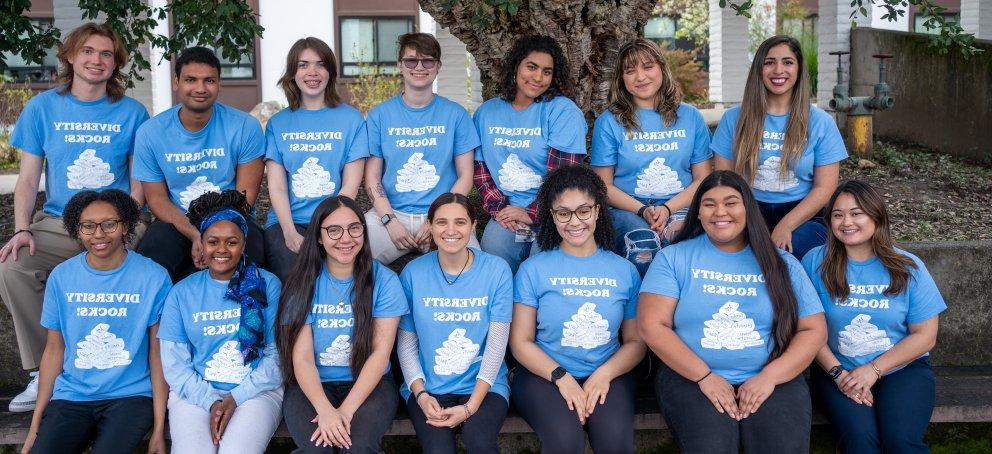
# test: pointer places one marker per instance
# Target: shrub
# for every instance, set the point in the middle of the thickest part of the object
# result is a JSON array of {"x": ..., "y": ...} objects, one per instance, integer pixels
[
  {"x": 372, "y": 88},
  {"x": 13, "y": 97},
  {"x": 689, "y": 74}
]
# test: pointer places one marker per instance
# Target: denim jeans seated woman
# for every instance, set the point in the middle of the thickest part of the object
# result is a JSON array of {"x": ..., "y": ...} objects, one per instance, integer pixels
[{"x": 636, "y": 241}]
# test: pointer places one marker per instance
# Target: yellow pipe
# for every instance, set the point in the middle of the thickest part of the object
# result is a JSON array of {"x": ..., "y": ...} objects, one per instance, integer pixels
[{"x": 859, "y": 134}]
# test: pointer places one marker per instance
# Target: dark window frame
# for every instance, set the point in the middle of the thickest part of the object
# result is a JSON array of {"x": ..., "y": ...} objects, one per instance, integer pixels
[
  {"x": 53, "y": 70},
  {"x": 377, "y": 60}
]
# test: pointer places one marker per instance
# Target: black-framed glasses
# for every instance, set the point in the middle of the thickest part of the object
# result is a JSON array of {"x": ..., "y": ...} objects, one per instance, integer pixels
[
  {"x": 564, "y": 215},
  {"x": 355, "y": 230},
  {"x": 108, "y": 226},
  {"x": 411, "y": 63}
]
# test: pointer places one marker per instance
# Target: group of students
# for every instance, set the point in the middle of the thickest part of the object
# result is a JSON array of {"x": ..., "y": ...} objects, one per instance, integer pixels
[{"x": 670, "y": 240}]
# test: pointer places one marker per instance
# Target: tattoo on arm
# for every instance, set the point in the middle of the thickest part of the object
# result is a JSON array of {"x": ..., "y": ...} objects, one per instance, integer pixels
[{"x": 380, "y": 190}]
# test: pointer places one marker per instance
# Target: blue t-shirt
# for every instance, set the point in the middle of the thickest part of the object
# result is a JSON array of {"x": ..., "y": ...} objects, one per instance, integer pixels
[
  {"x": 580, "y": 302},
  {"x": 653, "y": 164},
  {"x": 452, "y": 320},
  {"x": 331, "y": 320},
  {"x": 724, "y": 313},
  {"x": 314, "y": 146},
  {"x": 86, "y": 144},
  {"x": 418, "y": 147},
  {"x": 104, "y": 318},
  {"x": 192, "y": 163},
  {"x": 197, "y": 314},
  {"x": 869, "y": 322},
  {"x": 515, "y": 143},
  {"x": 824, "y": 146}
]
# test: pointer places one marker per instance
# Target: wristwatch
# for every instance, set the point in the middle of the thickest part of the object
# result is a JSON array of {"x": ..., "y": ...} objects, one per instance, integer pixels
[
  {"x": 835, "y": 371},
  {"x": 558, "y": 373},
  {"x": 386, "y": 218}
]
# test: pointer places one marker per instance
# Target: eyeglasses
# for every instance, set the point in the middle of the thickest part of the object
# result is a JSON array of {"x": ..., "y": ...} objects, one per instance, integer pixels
[
  {"x": 411, "y": 63},
  {"x": 335, "y": 232},
  {"x": 564, "y": 215},
  {"x": 108, "y": 226}
]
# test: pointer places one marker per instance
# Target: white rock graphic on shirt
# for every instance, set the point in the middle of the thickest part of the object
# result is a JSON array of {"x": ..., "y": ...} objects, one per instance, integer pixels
[
  {"x": 862, "y": 337},
  {"x": 768, "y": 177},
  {"x": 730, "y": 329},
  {"x": 658, "y": 180},
  {"x": 311, "y": 180},
  {"x": 88, "y": 171},
  {"x": 417, "y": 175},
  {"x": 338, "y": 353},
  {"x": 227, "y": 365},
  {"x": 456, "y": 354},
  {"x": 587, "y": 329},
  {"x": 514, "y": 175},
  {"x": 198, "y": 187},
  {"x": 101, "y": 350}
]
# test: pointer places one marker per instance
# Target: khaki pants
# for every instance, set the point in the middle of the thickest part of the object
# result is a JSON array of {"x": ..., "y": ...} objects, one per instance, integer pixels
[
  {"x": 22, "y": 283},
  {"x": 382, "y": 246}
]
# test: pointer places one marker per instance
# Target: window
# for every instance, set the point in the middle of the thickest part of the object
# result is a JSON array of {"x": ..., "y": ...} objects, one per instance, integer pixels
[
  {"x": 371, "y": 41},
  {"x": 919, "y": 25},
  {"x": 245, "y": 70},
  {"x": 660, "y": 28},
  {"x": 24, "y": 72}
]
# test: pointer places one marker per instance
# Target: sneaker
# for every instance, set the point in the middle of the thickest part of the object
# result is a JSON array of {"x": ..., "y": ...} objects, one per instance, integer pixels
[{"x": 26, "y": 399}]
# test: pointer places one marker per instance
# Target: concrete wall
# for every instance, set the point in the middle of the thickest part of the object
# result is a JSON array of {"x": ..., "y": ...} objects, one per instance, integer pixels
[{"x": 942, "y": 101}]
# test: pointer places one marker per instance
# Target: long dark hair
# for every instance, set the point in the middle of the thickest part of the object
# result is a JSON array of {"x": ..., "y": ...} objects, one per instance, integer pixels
[
  {"x": 833, "y": 271},
  {"x": 452, "y": 197},
  {"x": 288, "y": 80},
  {"x": 297, "y": 292},
  {"x": 778, "y": 282},
  {"x": 560, "y": 82},
  {"x": 581, "y": 178}
]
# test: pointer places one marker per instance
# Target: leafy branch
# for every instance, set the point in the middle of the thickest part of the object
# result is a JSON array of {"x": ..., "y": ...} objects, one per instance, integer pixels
[{"x": 21, "y": 37}]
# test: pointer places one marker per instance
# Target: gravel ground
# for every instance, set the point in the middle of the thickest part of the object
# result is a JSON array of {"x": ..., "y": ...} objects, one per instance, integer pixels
[{"x": 931, "y": 197}]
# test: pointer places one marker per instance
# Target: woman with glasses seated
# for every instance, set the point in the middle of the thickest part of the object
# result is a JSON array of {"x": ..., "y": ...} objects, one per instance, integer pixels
[
  {"x": 338, "y": 318},
  {"x": 420, "y": 145},
  {"x": 573, "y": 329},
  {"x": 100, "y": 383}
]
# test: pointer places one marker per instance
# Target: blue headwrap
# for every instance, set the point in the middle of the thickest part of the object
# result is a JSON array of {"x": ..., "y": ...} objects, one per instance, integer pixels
[{"x": 246, "y": 287}]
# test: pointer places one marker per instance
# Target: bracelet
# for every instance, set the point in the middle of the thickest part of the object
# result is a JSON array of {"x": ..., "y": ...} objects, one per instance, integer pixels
[
  {"x": 640, "y": 212},
  {"x": 876, "y": 369},
  {"x": 416, "y": 397},
  {"x": 665, "y": 206},
  {"x": 467, "y": 411},
  {"x": 23, "y": 230},
  {"x": 704, "y": 377}
]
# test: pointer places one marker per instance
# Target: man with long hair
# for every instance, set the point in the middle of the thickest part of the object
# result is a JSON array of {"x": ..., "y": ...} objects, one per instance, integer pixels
[{"x": 80, "y": 134}]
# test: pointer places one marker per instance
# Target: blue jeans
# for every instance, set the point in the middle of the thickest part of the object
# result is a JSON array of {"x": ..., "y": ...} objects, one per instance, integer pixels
[
  {"x": 896, "y": 422},
  {"x": 636, "y": 241},
  {"x": 808, "y": 235},
  {"x": 501, "y": 242}
]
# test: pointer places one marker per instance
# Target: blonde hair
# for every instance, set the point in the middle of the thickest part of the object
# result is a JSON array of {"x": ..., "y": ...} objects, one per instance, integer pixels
[
  {"x": 117, "y": 84},
  {"x": 751, "y": 123},
  {"x": 622, "y": 104}
]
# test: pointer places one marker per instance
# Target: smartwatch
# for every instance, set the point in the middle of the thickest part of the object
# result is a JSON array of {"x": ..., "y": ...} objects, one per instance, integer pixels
[
  {"x": 835, "y": 371},
  {"x": 386, "y": 218},
  {"x": 557, "y": 374}
]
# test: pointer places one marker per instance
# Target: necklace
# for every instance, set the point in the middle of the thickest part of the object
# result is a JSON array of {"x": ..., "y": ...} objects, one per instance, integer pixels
[{"x": 468, "y": 258}]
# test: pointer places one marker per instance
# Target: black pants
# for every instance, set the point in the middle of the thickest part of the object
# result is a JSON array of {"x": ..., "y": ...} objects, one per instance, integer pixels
[
  {"x": 781, "y": 424},
  {"x": 369, "y": 423},
  {"x": 166, "y": 246},
  {"x": 610, "y": 427},
  {"x": 277, "y": 255},
  {"x": 480, "y": 433},
  {"x": 113, "y": 426}
]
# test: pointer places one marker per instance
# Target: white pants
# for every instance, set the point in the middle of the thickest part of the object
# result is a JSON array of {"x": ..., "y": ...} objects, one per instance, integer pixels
[
  {"x": 382, "y": 246},
  {"x": 249, "y": 430}
]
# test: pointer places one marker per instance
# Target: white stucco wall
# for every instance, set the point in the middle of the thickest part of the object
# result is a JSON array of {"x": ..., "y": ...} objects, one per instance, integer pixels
[{"x": 283, "y": 26}]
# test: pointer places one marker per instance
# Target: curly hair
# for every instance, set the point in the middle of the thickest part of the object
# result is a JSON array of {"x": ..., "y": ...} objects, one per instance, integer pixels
[
  {"x": 211, "y": 202},
  {"x": 581, "y": 178},
  {"x": 560, "y": 82},
  {"x": 126, "y": 207}
]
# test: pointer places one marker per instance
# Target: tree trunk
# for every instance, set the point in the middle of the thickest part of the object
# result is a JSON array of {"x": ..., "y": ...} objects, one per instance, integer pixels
[{"x": 590, "y": 33}]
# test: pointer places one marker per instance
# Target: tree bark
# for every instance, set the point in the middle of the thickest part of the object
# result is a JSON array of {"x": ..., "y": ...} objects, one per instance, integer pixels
[{"x": 590, "y": 33}]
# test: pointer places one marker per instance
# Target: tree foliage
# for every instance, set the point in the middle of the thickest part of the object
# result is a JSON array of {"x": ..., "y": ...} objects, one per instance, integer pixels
[
  {"x": 20, "y": 36},
  {"x": 693, "y": 19}
]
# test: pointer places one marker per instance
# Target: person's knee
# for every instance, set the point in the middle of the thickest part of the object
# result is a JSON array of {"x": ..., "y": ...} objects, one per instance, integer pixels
[
  {"x": 898, "y": 439},
  {"x": 562, "y": 438}
]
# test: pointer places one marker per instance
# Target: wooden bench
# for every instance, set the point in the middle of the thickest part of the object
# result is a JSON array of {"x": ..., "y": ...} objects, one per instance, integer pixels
[{"x": 964, "y": 395}]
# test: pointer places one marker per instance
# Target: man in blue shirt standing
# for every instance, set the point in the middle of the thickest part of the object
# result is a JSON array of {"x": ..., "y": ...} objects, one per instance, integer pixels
[
  {"x": 81, "y": 134},
  {"x": 197, "y": 146}
]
